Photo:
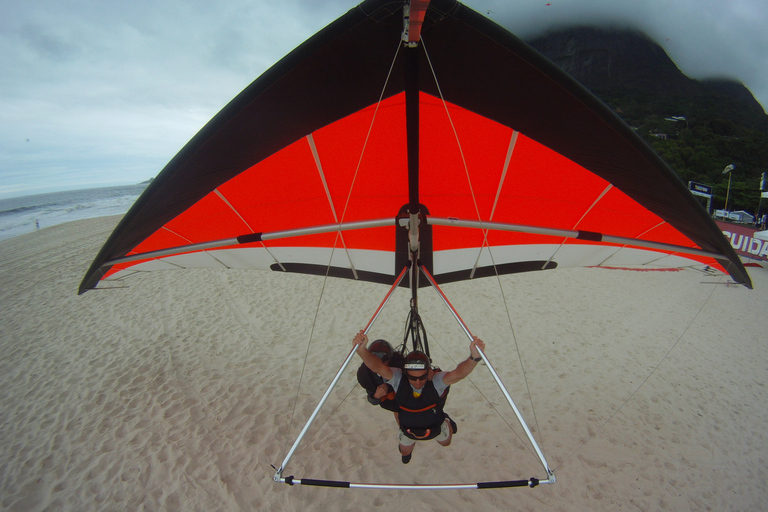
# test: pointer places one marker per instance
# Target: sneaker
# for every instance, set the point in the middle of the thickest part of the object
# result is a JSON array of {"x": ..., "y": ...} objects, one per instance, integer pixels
[
  {"x": 406, "y": 458},
  {"x": 454, "y": 427}
]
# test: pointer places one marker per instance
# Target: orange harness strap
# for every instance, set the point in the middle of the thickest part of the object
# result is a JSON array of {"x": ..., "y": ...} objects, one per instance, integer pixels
[
  {"x": 418, "y": 410},
  {"x": 426, "y": 433}
]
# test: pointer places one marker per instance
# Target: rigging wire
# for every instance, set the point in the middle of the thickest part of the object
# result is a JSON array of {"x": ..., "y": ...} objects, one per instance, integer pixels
[
  {"x": 582, "y": 445},
  {"x": 330, "y": 414},
  {"x": 485, "y": 239},
  {"x": 453, "y": 127},
  {"x": 501, "y": 416},
  {"x": 333, "y": 249},
  {"x": 306, "y": 352},
  {"x": 517, "y": 348},
  {"x": 370, "y": 129}
]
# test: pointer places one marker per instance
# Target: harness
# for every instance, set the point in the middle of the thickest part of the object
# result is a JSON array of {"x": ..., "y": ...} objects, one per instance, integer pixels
[
  {"x": 370, "y": 381},
  {"x": 421, "y": 418}
]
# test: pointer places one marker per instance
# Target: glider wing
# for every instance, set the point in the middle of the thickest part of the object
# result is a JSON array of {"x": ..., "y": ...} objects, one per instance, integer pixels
[{"x": 520, "y": 167}]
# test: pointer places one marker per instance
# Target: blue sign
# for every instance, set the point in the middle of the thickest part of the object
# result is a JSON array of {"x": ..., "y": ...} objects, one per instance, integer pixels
[{"x": 700, "y": 189}]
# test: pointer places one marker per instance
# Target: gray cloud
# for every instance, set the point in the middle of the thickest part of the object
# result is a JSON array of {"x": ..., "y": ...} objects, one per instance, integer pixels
[
  {"x": 705, "y": 38},
  {"x": 107, "y": 92}
]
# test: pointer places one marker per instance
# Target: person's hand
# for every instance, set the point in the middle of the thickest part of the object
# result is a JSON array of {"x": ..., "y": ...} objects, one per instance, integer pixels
[
  {"x": 360, "y": 339},
  {"x": 381, "y": 390},
  {"x": 476, "y": 344}
]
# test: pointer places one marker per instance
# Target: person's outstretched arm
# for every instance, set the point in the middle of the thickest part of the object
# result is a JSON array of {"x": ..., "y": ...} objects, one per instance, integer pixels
[
  {"x": 465, "y": 367},
  {"x": 371, "y": 361}
]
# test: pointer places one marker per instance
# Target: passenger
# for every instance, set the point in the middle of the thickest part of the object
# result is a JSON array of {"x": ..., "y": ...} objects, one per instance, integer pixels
[
  {"x": 419, "y": 393},
  {"x": 379, "y": 392}
]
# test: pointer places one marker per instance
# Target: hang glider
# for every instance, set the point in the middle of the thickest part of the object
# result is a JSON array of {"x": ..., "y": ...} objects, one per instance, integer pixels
[
  {"x": 510, "y": 165},
  {"x": 414, "y": 138}
]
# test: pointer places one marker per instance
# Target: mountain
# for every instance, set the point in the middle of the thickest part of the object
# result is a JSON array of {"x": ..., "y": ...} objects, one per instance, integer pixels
[
  {"x": 608, "y": 59},
  {"x": 698, "y": 127}
]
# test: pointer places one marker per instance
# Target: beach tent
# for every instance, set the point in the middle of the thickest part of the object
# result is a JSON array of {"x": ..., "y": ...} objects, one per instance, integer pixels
[
  {"x": 742, "y": 217},
  {"x": 414, "y": 135}
]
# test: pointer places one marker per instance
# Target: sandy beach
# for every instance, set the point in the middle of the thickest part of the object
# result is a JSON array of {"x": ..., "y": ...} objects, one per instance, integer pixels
[{"x": 178, "y": 390}]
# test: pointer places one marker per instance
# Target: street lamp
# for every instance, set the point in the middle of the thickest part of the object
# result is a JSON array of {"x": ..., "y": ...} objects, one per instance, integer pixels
[{"x": 727, "y": 171}]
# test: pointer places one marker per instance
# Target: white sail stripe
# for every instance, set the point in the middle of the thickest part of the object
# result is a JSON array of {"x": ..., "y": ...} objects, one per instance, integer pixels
[
  {"x": 316, "y": 156},
  {"x": 226, "y": 201}
]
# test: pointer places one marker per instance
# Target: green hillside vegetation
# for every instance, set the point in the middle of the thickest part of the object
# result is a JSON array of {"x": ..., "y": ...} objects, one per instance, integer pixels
[
  {"x": 722, "y": 123},
  {"x": 715, "y": 133}
]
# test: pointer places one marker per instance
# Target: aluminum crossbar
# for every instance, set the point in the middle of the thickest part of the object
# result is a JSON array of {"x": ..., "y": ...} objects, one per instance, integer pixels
[
  {"x": 251, "y": 238},
  {"x": 564, "y": 233},
  {"x": 531, "y": 482}
]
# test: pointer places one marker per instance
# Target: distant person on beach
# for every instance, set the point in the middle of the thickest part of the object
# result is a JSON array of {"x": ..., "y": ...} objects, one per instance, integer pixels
[
  {"x": 37, "y": 223},
  {"x": 422, "y": 397},
  {"x": 379, "y": 392}
]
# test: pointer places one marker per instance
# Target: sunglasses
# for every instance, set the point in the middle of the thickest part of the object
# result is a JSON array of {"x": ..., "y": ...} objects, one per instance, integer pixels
[{"x": 420, "y": 377}]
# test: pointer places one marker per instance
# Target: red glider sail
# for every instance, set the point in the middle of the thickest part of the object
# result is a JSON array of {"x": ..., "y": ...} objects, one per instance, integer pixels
[{"x": 519, "y": 167}]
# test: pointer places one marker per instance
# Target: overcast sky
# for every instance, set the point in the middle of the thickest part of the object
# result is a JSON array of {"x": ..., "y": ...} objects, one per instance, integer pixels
[{"x": 105, "y": 92}]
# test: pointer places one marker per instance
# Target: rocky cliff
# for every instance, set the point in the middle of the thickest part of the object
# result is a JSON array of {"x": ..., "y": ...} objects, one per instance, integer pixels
[{"x": 606, "y": 61}]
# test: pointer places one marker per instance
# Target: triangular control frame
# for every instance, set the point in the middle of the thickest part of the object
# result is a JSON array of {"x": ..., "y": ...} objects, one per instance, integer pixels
[{"x": 531, "y": 482}]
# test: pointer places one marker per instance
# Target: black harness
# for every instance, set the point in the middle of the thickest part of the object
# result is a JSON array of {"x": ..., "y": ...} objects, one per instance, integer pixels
[
  {"x": 421, "y": 417},
  {"x": 370, "y": 381}
]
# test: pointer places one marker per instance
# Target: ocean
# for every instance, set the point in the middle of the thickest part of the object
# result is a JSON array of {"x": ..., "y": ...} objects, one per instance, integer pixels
[{"x": 20, "y": 215}]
